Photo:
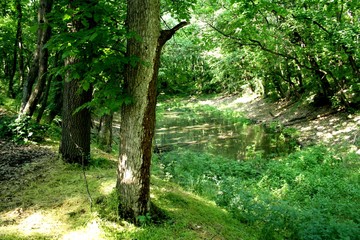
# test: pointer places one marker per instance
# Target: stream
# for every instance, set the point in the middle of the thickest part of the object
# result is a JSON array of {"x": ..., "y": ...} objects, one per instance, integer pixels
[{"x": 218, "y": 136}]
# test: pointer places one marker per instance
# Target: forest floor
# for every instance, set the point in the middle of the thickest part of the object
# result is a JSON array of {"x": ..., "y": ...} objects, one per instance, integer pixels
[{"x": 35, "y": 199}]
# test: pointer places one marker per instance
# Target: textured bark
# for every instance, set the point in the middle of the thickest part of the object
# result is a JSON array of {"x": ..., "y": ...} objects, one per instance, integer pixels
[
  {"x": 44, "y": 34},
  {"x": 138, "y": 119},
  {"x": 105, "y": 133},
  {"x": 137, "y": 126},
  {"x": 75, "y": 138},
  {"x": 76, "y": 124},
  {"x": 40, "y": 62}
]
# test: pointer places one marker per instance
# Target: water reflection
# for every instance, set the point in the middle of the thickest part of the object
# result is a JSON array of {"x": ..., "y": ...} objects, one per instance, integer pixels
[{"x": 203, "y": 132}]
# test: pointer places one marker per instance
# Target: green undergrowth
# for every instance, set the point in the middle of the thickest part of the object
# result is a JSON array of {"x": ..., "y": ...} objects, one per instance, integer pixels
[
  {"x": 57, "y": 206},
  {"x": 311, "y": 194}
]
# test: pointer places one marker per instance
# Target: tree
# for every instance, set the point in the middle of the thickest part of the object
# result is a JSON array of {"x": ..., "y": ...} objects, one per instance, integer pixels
[
  {"x": 76, "y": 119},
  {"x": 105, "y": 132},
  {"x": 138, "y": 118},
  {"x": 137, "y": 125},
  {"x": 290, "y": 47},
  {"x": 39, "y": 67}
]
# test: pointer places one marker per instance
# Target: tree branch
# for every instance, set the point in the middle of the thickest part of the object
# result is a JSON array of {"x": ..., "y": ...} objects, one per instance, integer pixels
[{"x": 166, "y": 35}]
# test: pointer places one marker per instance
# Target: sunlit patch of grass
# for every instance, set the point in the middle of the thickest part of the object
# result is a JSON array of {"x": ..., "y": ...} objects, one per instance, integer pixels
[{"x": 57, "y": 206}]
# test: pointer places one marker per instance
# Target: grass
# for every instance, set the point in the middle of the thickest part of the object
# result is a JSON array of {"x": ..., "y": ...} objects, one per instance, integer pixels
[{"x": 57, "y": 207}]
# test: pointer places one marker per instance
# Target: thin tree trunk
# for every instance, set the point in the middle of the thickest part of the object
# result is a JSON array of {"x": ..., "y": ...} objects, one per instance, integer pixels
[
  {"x": 11, "y": 92},
  {"x": 105, "y": 133},
  {"x": 326, "y": 89},
  {"x": 44, "y": 34},
  {"x": 57, "y": 100},
  {"x": 44, "y": 100},
  {"x": 20, "y": 43}
]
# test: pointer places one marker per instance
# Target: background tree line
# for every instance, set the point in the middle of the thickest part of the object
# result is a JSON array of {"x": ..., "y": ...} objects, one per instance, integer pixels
[{"x": 287, "y": 49}]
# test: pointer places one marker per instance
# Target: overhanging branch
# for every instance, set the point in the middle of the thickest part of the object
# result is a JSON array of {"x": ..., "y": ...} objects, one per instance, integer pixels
[{"x": 166, "y": 35}]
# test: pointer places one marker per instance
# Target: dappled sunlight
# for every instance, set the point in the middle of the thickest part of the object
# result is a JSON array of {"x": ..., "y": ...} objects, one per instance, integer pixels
[
  {"x": 106, "y": 187},
  {"x": 39, "y": 222},
  {"x": 28, "y": 222},
  {"x": 92, "y": 231},
  {"x": 332, "y": 130}
]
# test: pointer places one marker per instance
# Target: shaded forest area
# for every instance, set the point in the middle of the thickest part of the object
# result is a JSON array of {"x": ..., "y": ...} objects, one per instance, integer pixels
[{"x": 82, "y": 83}]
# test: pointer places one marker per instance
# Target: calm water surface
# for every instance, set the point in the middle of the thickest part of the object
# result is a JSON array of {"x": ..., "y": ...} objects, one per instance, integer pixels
[{"x": 218, "y": 136}]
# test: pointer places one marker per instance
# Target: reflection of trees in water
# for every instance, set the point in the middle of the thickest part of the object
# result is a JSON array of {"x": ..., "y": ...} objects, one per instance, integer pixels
[{"x": 219, "y": 136}]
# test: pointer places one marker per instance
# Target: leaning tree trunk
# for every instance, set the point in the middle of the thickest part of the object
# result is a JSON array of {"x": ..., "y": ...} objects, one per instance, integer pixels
[
  {"x": 44, "y": 34},
  {"x": 138, "y": 119}
]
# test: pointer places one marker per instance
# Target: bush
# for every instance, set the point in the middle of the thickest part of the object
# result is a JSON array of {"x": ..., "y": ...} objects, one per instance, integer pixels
[
  {"x": 22, "y": 130},
  {"x": 310, "y": 194}
]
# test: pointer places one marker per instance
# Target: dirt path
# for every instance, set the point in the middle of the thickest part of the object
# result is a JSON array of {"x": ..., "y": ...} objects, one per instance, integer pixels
[{"x": 316, "y": 125}]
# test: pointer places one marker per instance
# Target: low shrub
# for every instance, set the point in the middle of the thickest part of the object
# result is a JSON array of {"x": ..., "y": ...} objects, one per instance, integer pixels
[
  {"x": 310, "y": 194},
  {"x": 22, "y": 130}
]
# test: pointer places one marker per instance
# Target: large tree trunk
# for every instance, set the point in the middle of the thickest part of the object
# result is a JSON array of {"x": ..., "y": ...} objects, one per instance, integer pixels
[
  {"x": 75, "y": 138},
  {"x": 44, "y": 34},
  {"x": 138, "y": 119},
  {"x": 76, "y": 124},
  {"x": 137, "y": 124}
]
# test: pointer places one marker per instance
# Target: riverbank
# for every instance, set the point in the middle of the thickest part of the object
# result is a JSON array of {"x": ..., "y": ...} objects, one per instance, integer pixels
[{"x": 316, "y": 125}]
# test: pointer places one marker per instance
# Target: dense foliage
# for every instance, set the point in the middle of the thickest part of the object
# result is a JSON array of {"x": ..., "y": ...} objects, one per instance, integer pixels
[
  {"x": 311, "y": 194},
  {"x": 282, "y": 50}
]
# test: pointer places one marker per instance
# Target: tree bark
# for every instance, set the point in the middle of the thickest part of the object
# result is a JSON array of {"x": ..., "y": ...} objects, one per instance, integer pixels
[
  {"x": 105, "y": 133},
  {"x": 44, "y": 34},
  {"x": 138, "y": 119},
  {"x": 76, "y": 124},
  {"x": 44, "y": 100},
  {"x": 75, "y": 137},
  {"x": 137, "y": 126},
  {"x": 57, "y": 100}
]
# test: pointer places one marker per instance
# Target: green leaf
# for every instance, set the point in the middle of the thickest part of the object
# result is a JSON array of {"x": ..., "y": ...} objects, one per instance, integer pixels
[
  {"x": 86, "y": 85},
  {"x": 93, "y": 36}
]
